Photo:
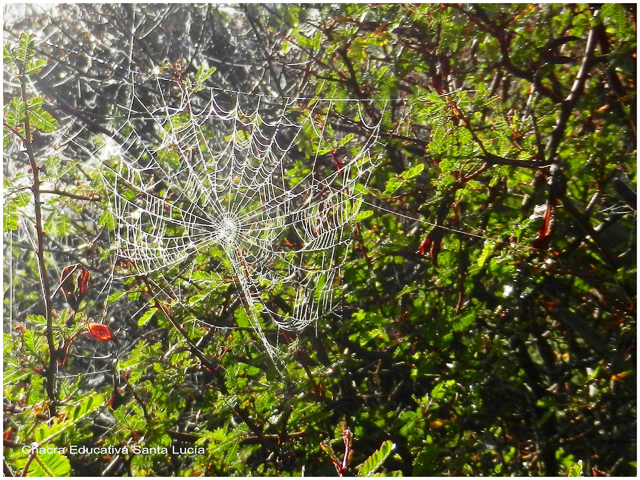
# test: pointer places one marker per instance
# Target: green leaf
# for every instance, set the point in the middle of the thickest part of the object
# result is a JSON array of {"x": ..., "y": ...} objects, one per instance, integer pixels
[
  {"x": 58, "y": 224},
  {"x": 148, "y": 315},
  {"x": 413, "y": 171},
  {"x": 15, "y": 114},
  {"x": 614, "y": 13},
  {"x": 40, "y": 118},
  {"x": 34, "y": 342},
  {"x": 52, "y": 165},
  {"x": 375, "y": 461},
  {"x": 440, "y": 389},
  {"x": 242, "y": 319},
  {"x": 6, "y": 137},
  {"x": 45, "y": 433},
  {"x": 346, "y": 140},
  {"x": 34, "y": 66},
  {"x": 108, "y": 219},
  {"x": 426, "y": 461},
  {"x": 486, "y": 252},
  {"x": 24, "y": 52},
  {"x": 364, "y": 214},
  {"x": 23, "y": 199},
  {"x": 86, "y": 408},
  {"x": 392, "y": 185},
  {"x": 113, "y": 298},
  {"x": 575, "y": 470},
  {"x": 6, "y": 54},
  {"x": 464, "y": 321},
  {"x": 202, "y": 75},
  {"x": 49, "y": 465},
  {"x": 10, "y": 217}
]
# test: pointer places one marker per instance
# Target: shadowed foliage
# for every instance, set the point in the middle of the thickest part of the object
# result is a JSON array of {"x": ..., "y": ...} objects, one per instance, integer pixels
[{"x": 485, "y": 319}]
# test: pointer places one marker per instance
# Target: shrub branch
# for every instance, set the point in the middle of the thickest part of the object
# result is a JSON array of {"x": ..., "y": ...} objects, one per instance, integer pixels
[{"x": 42, "y": 269}]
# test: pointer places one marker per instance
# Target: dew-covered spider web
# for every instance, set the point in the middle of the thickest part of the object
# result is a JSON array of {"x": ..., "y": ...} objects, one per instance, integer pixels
[{"x": 269, "y": 186}]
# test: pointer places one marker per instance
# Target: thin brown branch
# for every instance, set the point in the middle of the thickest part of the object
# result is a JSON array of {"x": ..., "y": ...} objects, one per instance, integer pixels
[
  {"x": 42, "y": 268},
  {"x": 6, "y": 471},
  {"x": 140, "y": 402},
  {"x": 272, "y": 437},
  {"x": 261, "y": 43},
  {"x": 593, "y": 235},
  {"x": 208, "y": 364},
  {"x": 76, "y": 196},
  {"x": 572, "y": 99},
  {"x": 353, "y": 81},
  {"x": 484, "y": 23},
  {"x": 492, "y": 159}
]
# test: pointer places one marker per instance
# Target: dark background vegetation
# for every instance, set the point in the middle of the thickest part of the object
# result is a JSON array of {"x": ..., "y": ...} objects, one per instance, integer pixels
[{"x": 511, "y": 351}]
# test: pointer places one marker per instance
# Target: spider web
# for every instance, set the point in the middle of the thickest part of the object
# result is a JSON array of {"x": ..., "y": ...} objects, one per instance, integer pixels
[{"x": 267, "y": 186}]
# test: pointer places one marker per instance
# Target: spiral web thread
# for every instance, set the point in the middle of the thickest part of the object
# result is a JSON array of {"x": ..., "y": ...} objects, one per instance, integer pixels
[{"x": 220, "y": 177}]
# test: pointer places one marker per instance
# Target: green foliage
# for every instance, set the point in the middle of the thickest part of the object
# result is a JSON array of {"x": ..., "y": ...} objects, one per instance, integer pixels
[
  {"x": 375, "y": 461},
  {"x": 486, "y": 323},
  {"x": 575, "y": 470},
  {"x": 44, "y": 465},
  {"x": 15, "y": 116},
  {"x": 41, "y": 120},
  {"x": 202, "y": 76}
]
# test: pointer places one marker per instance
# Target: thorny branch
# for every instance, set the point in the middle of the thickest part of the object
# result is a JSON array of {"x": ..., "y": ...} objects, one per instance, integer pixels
[{"x": 42, "y": 267}]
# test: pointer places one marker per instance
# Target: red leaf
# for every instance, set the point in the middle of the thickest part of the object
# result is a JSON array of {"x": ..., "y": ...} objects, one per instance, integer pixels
[
  {"x": 433, "y": 244},
  {"x": 546, "y": 228},
  {"x": 83, "y": 281},
  {"x": 66, "y": 281},
  {"x": 100, "y": 331},
  {"x": 424, "y": 246},
  {"x": 117, "y": 399},
  {"x": 68, "y": 285}
]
